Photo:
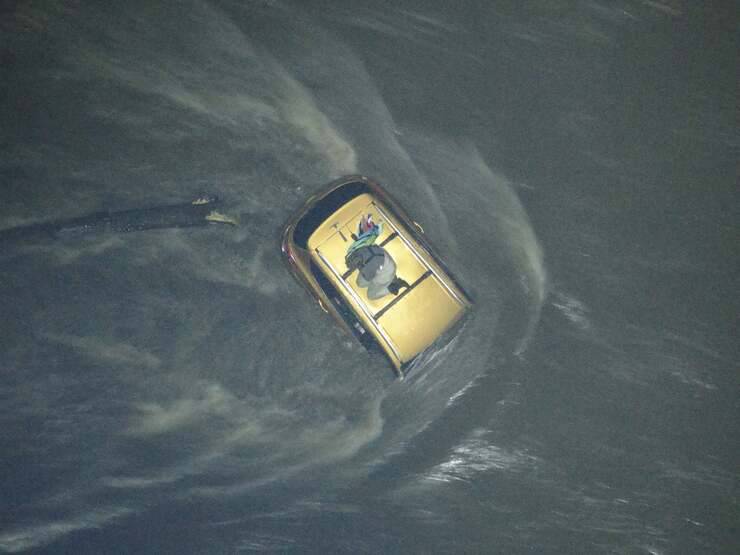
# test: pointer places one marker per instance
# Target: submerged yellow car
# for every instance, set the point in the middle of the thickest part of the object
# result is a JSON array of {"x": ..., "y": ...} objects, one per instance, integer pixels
[{"x": 367, "y": 264}]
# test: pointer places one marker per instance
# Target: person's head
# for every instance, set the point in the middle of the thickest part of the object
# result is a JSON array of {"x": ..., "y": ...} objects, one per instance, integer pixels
[{"x": 366, "y": 224}]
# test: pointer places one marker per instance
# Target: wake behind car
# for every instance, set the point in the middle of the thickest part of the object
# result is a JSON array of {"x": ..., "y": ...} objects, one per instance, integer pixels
[{"x": 368, "y": 265}]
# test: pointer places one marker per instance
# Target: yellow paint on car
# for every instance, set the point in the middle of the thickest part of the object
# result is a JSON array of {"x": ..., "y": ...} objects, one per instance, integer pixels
[{"x": 405, "y": 325}]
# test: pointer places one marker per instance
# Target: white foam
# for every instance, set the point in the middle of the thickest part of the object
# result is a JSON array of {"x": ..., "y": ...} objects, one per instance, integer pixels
[
  {"x": 108, "y": 351},
  {"x": 29, "y": 537},
  {"x": 298, "y": 109},
  {"x": 573, "y": 309},
  {"x": 154, "y": 418},
  {"x": 476, "y": 455}
]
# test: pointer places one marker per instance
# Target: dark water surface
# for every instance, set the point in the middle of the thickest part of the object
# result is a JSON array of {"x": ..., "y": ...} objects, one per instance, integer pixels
[{"x": 176, "y": 392}]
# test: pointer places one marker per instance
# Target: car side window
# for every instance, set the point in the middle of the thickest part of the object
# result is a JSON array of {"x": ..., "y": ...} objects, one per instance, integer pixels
[
  {"x": 365, "y": 339},
  {"x": 324, "y": 282}
]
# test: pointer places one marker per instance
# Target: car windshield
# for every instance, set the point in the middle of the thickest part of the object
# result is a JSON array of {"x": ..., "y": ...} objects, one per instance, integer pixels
[{"x": 325, "y": 208}]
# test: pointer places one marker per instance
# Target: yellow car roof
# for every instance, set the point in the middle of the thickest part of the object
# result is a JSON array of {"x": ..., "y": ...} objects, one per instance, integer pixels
[{"x": 404, "y": 324}]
